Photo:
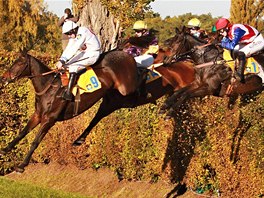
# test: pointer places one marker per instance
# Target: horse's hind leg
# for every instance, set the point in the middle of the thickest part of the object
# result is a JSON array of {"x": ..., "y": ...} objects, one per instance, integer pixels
[
  {"x": 31, "y": 124},
  {"x": 39, "y": 137},
  {"x": 106, "y": 108}
]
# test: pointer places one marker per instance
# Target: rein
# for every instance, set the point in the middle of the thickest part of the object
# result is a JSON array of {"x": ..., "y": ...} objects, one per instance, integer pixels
[
  {"x": 191, "y": 50},
  {"x": 44, "y": 74},
  {"x": 220, "y": 62},
  {"x": 40, "y": 75}
]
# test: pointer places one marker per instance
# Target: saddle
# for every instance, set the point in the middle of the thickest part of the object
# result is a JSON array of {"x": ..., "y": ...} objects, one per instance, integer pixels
[
  {"x": 252, "y": 66},
  {"x": 86, "y": 83}
]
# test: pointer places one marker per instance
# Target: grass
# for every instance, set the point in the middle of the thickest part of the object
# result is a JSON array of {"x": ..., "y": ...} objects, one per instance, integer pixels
[{"x": 14, "y": 189}]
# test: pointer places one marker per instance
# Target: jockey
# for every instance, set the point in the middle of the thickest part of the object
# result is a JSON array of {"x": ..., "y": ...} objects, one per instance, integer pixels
[
  {"x": 242, "y": 40},
  {"x": 194, "y": 27},
  {"x": 143, "y": 59},
  {"x": 82, "y": 50}
]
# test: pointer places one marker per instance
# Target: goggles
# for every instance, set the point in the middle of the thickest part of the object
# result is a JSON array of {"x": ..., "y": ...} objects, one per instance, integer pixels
[
  {"x": 70, "y": 32},
  {"x": 194, "y": 28},
  {"x": 139, "y": 31}
]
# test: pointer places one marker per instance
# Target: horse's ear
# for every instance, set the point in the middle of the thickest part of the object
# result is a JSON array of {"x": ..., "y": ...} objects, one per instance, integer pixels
[
  {"x": 184, "y": 28},
  {"x": 177, "y": 31},
  {"x": 23, "y": 52}
]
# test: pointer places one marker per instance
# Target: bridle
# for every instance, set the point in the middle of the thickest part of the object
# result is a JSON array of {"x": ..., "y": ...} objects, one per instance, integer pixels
[
  {"x": 177, "y": 55},
  {"x": 28, "y": 66}
]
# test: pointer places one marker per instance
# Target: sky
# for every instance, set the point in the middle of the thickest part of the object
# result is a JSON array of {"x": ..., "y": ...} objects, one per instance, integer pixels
[{"x": 165, "y": 7}]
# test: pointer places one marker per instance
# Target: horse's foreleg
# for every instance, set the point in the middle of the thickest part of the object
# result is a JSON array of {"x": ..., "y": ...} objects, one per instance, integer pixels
[
  {"x": 39, "y": 137},
  {"x": 199, "y": 92},
  {"x": 106, "y": 108},
  {"x": 171, "y": 100},
  {"x": 31, "y": 124}
]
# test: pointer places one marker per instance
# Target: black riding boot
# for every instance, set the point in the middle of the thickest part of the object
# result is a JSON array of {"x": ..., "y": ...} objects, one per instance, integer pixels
[
  {"x": 67, "y": 95},
  {"x": 241, "y": 67},
  {"x": 142, "y": 91}
]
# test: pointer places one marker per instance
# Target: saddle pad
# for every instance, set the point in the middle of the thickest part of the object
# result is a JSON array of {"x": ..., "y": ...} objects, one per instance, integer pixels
[
  {"x": 252, "y": 66},
  {"x": 87, "y": 82}
]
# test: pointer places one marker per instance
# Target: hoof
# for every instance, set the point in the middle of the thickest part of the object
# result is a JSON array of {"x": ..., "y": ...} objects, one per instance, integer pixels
[
  {"x": 171, "y": 113},
  {"x": 3, "y": 152},
  {"x": 167, "y": 118},
  {"x": 78, "y": 142},
  {"x": 162, "y": 111},
  {"x": 20, "y": 169}
]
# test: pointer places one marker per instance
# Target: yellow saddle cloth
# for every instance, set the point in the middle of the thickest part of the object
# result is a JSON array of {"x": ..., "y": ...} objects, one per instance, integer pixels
[
  {"x": 87, "y": 82},
  {"x": 252, "y": 66}
]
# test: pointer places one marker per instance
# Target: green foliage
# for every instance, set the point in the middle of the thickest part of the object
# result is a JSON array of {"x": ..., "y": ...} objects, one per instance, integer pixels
[
  {"x": 125, "y": 11},
  {"x": 230, "y": 158},
  {"x": 26, "y": 25},
  {"x": 166, "y": 27},
  {"x": 9, "y": 188}
]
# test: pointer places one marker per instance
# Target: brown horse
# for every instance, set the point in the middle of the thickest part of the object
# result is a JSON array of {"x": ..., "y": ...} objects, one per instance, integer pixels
[
  {"x": 213, "y": 79},
  {"x": 116, "y": 71}
]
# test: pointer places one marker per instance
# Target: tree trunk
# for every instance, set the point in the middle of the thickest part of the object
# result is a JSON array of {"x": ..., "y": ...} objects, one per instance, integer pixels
[{"x": 96, "y": 16}]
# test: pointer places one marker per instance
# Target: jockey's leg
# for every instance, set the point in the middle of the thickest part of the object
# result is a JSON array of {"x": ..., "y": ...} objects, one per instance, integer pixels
[
  {"x": 142, "y": 91},
  {"x": 143, "y": 62},
  {"x": 241, "y": 64},
  {"x": 67, "y": 95}
]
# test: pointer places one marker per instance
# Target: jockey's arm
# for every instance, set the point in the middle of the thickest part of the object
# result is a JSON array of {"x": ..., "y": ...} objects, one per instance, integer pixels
[
  {"x": 153, "y": 49},
  {"x": 230, "y": 44},
  {"x": 73, "y": 46}
]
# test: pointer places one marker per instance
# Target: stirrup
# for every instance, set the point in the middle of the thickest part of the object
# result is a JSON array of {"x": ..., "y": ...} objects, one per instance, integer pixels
[{"x": 67, "y": 96}]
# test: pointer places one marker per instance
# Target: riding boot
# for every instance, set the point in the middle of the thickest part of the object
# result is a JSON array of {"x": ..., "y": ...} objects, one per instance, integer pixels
[
  {"x": 142, "y": 91},
  {"x": 241, "y": 67},
  {"x": 67, "y": 95}
]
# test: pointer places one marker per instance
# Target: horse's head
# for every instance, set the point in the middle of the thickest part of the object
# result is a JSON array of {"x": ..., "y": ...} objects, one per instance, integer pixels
[
  {"x": 177, "y": 44},
  {"x": 18, "y": 70}
]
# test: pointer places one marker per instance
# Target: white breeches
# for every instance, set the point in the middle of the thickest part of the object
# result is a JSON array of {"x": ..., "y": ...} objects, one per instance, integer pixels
[
  {"x": 144, "y": 60},
  {"x": 253, "y": 47},
  {"x": 82, "y": 59}
]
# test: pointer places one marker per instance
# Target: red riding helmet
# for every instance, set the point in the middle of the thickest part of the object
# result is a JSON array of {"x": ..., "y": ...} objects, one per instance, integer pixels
[{"x": 221, "y": 23}]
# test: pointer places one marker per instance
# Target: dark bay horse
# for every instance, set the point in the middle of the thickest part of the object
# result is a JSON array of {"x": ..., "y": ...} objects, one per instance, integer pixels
[
  {"x": 116, "y": 71},
  {"x": 211, "y": 79}
]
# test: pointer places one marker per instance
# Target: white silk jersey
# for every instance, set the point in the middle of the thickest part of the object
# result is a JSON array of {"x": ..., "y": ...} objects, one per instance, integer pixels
[{"x": 85, "y": 41}]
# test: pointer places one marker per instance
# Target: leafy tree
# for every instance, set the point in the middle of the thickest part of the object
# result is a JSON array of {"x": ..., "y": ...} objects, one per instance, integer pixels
[
  {"x": 247, "y": 12},
  {"x": 107, "y": 18},
  {"x": 26, "y": 25}
]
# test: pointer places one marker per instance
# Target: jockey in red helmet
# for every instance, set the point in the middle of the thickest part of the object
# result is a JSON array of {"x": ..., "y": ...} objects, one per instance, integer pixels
[{"x": 243, "y": 40}]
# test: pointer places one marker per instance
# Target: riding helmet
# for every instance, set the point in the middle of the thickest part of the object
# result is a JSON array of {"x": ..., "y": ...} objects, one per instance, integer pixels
[
  {"x": 139, "y": 25},
  {"x": 221, "y": 23},
  {"x": 68, "y": 26},
  {"x": 194, "y": 22}
]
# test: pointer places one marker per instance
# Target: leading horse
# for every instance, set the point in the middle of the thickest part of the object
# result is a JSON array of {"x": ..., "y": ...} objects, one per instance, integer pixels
[
  {"x": 212, "y": 78},
  {"x": 116, "y": 71}
]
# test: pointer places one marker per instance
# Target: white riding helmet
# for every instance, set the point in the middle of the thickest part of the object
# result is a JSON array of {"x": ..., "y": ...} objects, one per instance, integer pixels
[{"x": 68, "y": 26}]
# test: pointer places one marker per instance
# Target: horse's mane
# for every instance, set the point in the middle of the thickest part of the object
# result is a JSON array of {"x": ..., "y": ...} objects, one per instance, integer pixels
[{"x": 44, "y": 65}]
